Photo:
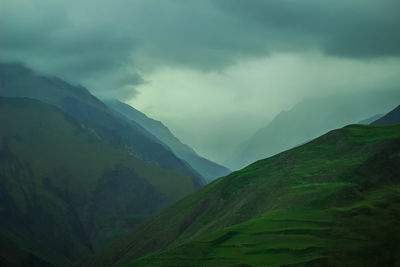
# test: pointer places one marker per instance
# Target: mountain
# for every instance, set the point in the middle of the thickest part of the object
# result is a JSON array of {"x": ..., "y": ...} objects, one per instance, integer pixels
[
  {"x": 208, "y": 169},
  {"x": 19, "y": 81},
  {"x": 65, "y": 191},
  {"x": 305, "y": 121},
  {"x": 370, "y": 119},
  {"x": 334, "y": 201},
  {"x": 393, "y": 117}
]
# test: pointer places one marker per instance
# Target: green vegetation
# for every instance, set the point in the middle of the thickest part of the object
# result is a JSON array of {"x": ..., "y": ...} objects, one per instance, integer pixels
[
  {"x": 334, "y": 201},
  {"x": 65, "y": 192}
]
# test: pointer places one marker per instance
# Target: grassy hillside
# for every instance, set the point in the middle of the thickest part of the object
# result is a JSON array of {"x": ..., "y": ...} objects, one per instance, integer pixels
[
  {"x": 334, "y": 201},
  {"x": 64, "y": 191},
  {"x": 208, "y": 169}
]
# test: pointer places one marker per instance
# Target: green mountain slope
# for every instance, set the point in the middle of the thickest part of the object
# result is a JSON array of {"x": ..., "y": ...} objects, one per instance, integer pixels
[
  {"x": 334, "y": 201},
  {"x": 19, "y": 81},
  {"x": 65, "y": 192},
  {"x": 208, "y": 169},
  {"x": 305, "y": 121}
]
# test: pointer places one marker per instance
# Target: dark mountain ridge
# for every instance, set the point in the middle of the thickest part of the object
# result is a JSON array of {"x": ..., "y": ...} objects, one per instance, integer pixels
[{"x": 19, "y": 81}]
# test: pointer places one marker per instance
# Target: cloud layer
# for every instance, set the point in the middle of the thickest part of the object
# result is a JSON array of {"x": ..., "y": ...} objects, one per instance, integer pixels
[
  {"x": 250, "y": 57},
  {"x": 213, "y": 111},
  {"x": 90, "y": 39}
]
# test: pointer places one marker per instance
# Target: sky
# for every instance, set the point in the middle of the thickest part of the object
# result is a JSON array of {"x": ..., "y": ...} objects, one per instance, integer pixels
[{"x": 213, "y": 71}]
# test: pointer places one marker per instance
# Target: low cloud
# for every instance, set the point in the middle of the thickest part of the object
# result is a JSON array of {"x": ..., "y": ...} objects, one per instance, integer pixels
[
  {"x": 89, "y": 40},
  {"x": 214, "y": 112},
  {"x": 210, "y": 63}
]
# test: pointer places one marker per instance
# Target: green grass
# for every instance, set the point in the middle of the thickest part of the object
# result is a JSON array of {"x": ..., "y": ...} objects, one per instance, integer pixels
[
  {"x": 333, "y": 201},
  {"x": 296, "y": 236}
]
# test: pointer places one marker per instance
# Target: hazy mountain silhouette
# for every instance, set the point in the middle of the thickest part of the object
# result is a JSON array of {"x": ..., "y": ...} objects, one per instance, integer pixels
[
  {"x": 305, "y": 121},
  {"x": 393, "y": 117},
  {"x": 370, "y": 119},
  {"x": 208, "y": 169}
]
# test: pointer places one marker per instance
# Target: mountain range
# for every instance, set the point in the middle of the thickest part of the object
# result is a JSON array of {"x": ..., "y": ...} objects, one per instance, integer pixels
[{"x": 86, "y": 182}]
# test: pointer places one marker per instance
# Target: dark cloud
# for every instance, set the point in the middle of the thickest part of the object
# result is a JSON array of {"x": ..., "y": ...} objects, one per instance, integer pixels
[
  {"x": 357, "y": 28},
  {"x": 92, "y": 40},
  {"x": 48, "y": 36}
]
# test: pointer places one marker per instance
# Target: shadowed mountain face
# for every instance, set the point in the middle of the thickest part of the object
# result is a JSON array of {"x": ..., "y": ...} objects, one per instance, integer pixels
[
  {"x": 18, "y": 81},
  {"x": 334, "y": 201},
  {"x": 65, "y": 192},
  {"x": 307, "y": 120},
  {"x": 393, "y": 117},
  {"x": 206, "y": 168}
]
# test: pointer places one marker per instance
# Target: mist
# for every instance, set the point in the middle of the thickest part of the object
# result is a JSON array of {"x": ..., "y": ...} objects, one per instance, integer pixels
[{"x": 213, "y": 71}]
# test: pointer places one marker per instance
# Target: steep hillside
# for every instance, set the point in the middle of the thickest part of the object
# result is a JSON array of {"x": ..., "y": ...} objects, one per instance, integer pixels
[
  {"x": 334, "y": 201},
  {"x": 19, "y": 81},
  {"x": 305, "y": 121},
  {"x": 64, "y": 191},
  {"x": 208, "y": 169},
  {"x": 393, "y": 117}
]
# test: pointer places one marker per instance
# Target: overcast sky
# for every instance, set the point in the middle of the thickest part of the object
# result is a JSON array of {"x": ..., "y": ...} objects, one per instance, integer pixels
[{"x": 214, "y": 71}]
